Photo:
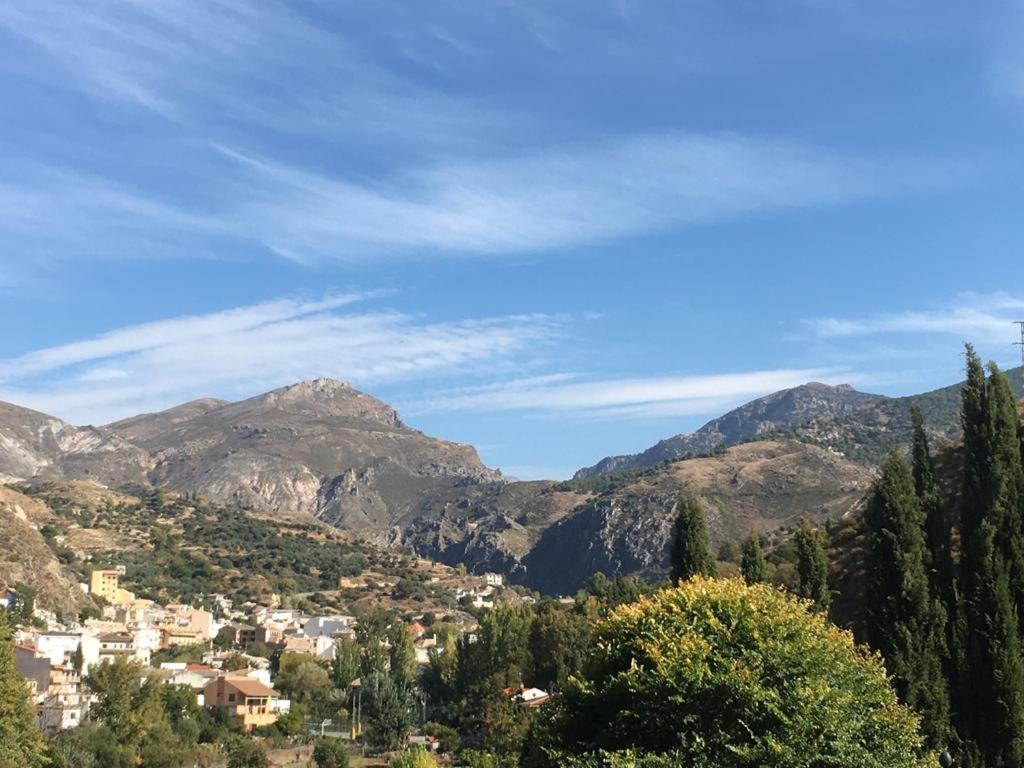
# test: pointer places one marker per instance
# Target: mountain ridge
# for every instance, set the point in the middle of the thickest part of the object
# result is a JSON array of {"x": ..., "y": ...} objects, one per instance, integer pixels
[{"x": 820, "y": 413}]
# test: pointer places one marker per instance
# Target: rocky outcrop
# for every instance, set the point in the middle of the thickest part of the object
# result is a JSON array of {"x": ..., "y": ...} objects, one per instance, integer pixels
[
  {"x": 318, "y": 448},
  {"x": 784, "y": 410},
  {"x": 26, "y": 558},
  {"x": 758, "y": 486}
]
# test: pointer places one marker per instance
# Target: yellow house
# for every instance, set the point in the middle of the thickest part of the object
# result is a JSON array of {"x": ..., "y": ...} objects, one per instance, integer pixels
[
  {"x": 105, "y": 584},
  {"x": 246, "y": 700}
]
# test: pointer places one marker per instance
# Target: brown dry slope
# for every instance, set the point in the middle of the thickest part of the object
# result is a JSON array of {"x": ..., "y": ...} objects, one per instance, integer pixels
[
  {"x": 751, "y": 487},
  {"x": 26, "y": 558}
]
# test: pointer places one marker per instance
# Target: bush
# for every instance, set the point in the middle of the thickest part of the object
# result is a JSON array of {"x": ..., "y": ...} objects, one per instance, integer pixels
[
  {"x": 413, "y": 758},
  {"x": 718, "y": 674},
  {"x": 330, "y": 753},
  {"x": 246, "y": 753}
]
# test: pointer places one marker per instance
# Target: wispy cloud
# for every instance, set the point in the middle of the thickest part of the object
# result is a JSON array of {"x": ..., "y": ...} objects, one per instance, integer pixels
[
  {"x": 982, "y": 318},
  {"x": 537, "y": 202},
  {"x": 554, "y": 199},
  {"x": 658, "y": 396},
  {"x": 250, "y": 349}
]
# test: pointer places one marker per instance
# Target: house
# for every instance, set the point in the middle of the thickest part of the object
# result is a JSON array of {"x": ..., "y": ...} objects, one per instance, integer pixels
[
  {"x": 242, "y": 634},
  {"x": 65, "y": 703},
  {"x": 8, "y": 598},
  {"x": 247, "y": 701},
  {"x": 104, "y": 583},
  {"x": 532, "y": 698},
  {"x": 57, "y": 647},
  {"x": 418, "y": 630},
  {"x": 494, "y": 579},
  {"x": 55, "y": 689},
  {"x": 115, "y": 644},
  {"x": 185, "y": 625},
  {"x": 195, "y": 676},
  {"x": 326, "y": 625}
]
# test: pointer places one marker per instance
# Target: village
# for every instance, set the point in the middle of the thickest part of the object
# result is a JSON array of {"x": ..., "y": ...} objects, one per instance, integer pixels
[{"x": 228, "y": 648}]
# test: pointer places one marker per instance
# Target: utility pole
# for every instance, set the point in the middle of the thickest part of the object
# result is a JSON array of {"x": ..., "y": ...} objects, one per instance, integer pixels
[{"x": 1021, "y": 342}]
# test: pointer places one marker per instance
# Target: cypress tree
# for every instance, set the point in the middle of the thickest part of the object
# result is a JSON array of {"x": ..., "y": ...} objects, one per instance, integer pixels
[
  {"x": 21, "y": 742},
  {"x": 937, "y": 525},
  {"x": 993, "y": 724},
  {"x": 691, "y": 553},
  {"x": 1007, "y": 479},
  {"x": 812, "y": 566},
  {"x": 904, "y": 622},
  {"x": 990, "y": 692},
  {"x": 752, "y": 564}
]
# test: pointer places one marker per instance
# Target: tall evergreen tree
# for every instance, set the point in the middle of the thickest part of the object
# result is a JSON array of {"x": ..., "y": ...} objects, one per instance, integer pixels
[
  {"x": 752, "y": 564},
  {"x": 903, "y": 621},
  {"x": 937, "y": 525},
  {"x": 989, "y": 698},
  {"x": 691, "y": 552},
  {"x": 812, "y": 566},
  {"x": 1007, "y": 479},
  {"x": 993, "y": 688},
  {"x": 21, "y": 743}
]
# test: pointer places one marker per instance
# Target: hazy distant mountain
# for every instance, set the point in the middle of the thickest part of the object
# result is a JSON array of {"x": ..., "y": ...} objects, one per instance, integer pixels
[
  {"x": 859, "y": 425},
  {"x": 780, "y": 410}
]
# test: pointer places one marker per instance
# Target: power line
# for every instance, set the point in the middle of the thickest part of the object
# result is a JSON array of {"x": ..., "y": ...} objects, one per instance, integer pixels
[{"x": 1021, "y": 342}]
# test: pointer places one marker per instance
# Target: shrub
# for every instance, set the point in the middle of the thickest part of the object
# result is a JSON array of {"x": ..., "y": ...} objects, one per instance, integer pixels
[
  {"x": 330, "y": 753},
  {"x": 718, "y": 674},
  {"x": 413, "y": 758}
]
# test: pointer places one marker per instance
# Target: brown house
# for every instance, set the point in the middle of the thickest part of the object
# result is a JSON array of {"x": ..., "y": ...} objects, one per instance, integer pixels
[{"x": 246, "y": 700}]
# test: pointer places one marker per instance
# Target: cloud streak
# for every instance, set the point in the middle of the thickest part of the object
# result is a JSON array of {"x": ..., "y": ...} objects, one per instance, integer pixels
[
  {"x": 983, "y": 318},
  {"x": 653, "y": 397},
  {"x": 554, "y": 199},
  {"x": 239, "y": 352}
]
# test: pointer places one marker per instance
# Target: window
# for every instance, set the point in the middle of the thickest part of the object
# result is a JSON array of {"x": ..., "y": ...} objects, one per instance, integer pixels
[{"x": 231, "y": 697}]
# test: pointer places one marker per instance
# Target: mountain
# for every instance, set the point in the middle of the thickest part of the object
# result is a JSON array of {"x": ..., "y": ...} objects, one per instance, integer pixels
[
  {"x": 322, "y": 452},
  {"x": 780, "y": 410},
  {"x": 859, "y": 425},
  {"x": 318, "y": 448},
  {"x": 758, "y": 486}
]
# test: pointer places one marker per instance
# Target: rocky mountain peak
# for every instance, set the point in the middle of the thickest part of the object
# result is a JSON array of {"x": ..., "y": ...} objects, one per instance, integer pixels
[{"x": 325, "y": 397}]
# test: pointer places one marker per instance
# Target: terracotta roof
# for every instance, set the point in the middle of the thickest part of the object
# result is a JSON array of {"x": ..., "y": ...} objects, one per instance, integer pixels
[{"x": 247, "y": 686}]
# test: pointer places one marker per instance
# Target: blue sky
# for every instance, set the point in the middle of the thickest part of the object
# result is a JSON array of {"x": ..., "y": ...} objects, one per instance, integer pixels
[{"x": 556, "y": 230}]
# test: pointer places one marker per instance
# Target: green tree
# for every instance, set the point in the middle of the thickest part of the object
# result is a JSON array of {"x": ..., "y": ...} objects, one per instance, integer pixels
[
  {"x": 691, "y": 553},
  {"x": 21, "y": 743},
  {"x": 990, "y": 688},
  {"x": 402, "y": 652},
  {"x": 305, "y": 682},
  {"x": 752, "y": 563},
  {"x": 130, "y": 703},
  {"x": 345, "y": 667},
  {"x": 330, "y": 753},
  {"x": 389, "y": 706},
  {"x": 247, "y": 753},
  {"x": 812, "y": 566},
  {"x": 372, "y": 635},
  {"x": 558, "y": 642},
  {"x": 937, "y": 523},
  {"x": 720, "y": 674},
  {"x": 904, "y": 622}
]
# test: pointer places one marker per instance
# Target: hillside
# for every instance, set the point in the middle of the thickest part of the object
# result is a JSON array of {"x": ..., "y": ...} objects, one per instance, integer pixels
[
  {"x": 27, "y": 558},
  {"x": 860, "y": 425},
  {"x": 176, "y": 547},
  {"x": 322, "y": 452},
  {"x": 318, "y": 448},
  {"x": 759, "y": 486}
]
